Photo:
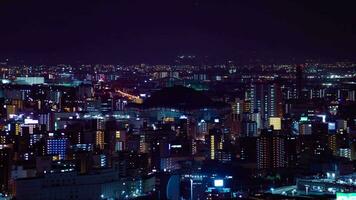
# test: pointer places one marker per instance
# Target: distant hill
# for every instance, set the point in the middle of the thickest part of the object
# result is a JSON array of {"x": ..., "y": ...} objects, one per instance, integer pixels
[{"x": 180, "y": 97}]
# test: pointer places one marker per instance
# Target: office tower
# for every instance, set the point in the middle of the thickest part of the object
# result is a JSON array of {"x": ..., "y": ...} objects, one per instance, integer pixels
[
  {"x": 183, "y": 127},
  {"x": 305, "y": 128},
  {"x": 100, "y": 124},
  {"x": 299, "y": 80},
  {"x": 248, "y": 148},
  {"x": 120, "y": 104},
  {"x": 341, "y": 125},
  {"x": 315, "y": 93},
  {"x": 332, "y": 143},
  {"x": 338, "y": 141},
  {"x": 266, "y": 99},
  {"x": 247, "y": 106},
  {"x": 263, "y": 152},
  {"x": 120, "y": 140},
  {"x": 345, "y": 153},
  {"x": 271, "y": 151},
  {"x": 249, "y": 128},
  {"x": 291, "y": 151},
  {"x": 202, "y": 127},
  {"x": 57, "y": 147},
  {"x": 106, "y": 104},
  {"x": 275, "y": 107},
  {"x": 99, "y": 139},
  {"x": 46, "y": 119},
  {"x": 215, "y": 141},
  {"x": 256, "y": 117},
  {"x": 10, "y": 110},
  {"x": 275, "y": 122},
  {"x": 238, "y": 107}
]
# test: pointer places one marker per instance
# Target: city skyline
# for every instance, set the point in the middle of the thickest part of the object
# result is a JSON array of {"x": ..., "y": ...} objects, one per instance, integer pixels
[{"x": 177, "y": 100}]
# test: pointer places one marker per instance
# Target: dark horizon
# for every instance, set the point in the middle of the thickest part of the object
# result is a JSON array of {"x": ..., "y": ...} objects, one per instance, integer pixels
[
  {"x": 136, "y": 32},
  {"x": 177, "y": 99}
]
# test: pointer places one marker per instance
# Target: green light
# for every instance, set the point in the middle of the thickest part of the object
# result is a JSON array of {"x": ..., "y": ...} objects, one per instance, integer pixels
[
  {"x": 303, "y": 119},
  {"x": 345, "y": 196}
]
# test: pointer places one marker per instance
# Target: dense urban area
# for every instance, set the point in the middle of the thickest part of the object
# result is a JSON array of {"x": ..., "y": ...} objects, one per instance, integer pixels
[{"x": 182, "y": 131}]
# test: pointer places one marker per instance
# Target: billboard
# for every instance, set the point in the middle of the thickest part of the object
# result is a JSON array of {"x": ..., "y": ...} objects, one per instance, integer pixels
[
  {"x": 218, "y": 183},
  {"x": 345, "y": 196}
]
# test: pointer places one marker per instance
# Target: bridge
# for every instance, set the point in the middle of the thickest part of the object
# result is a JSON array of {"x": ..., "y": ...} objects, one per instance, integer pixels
[{"x": 131, "y": 97}]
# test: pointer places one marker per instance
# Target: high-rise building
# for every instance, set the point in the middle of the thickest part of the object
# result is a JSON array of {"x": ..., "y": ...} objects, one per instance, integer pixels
[
  {"x": 271, "y": 152},
  {"x": 305, "y": 128},
  {"x": 274, "y": 103},
  {"x": 5, "y": 167},
  {"x": 332, "y": 143},
  {"x": 266, "y": 99},
  {"x": 10, "y": 110},
  {"x": 341, "y": 124},
  {"x": 202, "y": 128},
  {"x": 57, "y": 147},
  {"x": 345, "y": 152},
  {"x": 238, "y": 107},
  {"x": 299, "y": 80},
  {"x": 316, "y": 93},
  {"x": 216, "y": 142},
  {"x": 99, "y": 139},
  {"x": 249, "y": 128},
  {"x": 275, "y": 122},
  {"x": 264, "y": 157}
]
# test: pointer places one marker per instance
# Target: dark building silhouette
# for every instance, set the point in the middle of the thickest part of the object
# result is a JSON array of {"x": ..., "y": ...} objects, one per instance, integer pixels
[{"x": 299, "y": 80}]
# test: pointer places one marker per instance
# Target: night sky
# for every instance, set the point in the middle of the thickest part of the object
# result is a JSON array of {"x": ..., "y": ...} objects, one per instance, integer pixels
[{"x": 157, "y": 31}]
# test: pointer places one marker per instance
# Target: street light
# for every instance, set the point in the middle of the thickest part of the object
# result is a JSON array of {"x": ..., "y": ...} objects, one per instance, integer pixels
[
  {"x": 306, "y": 189},
  {"x": 191, "y": 189}
]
